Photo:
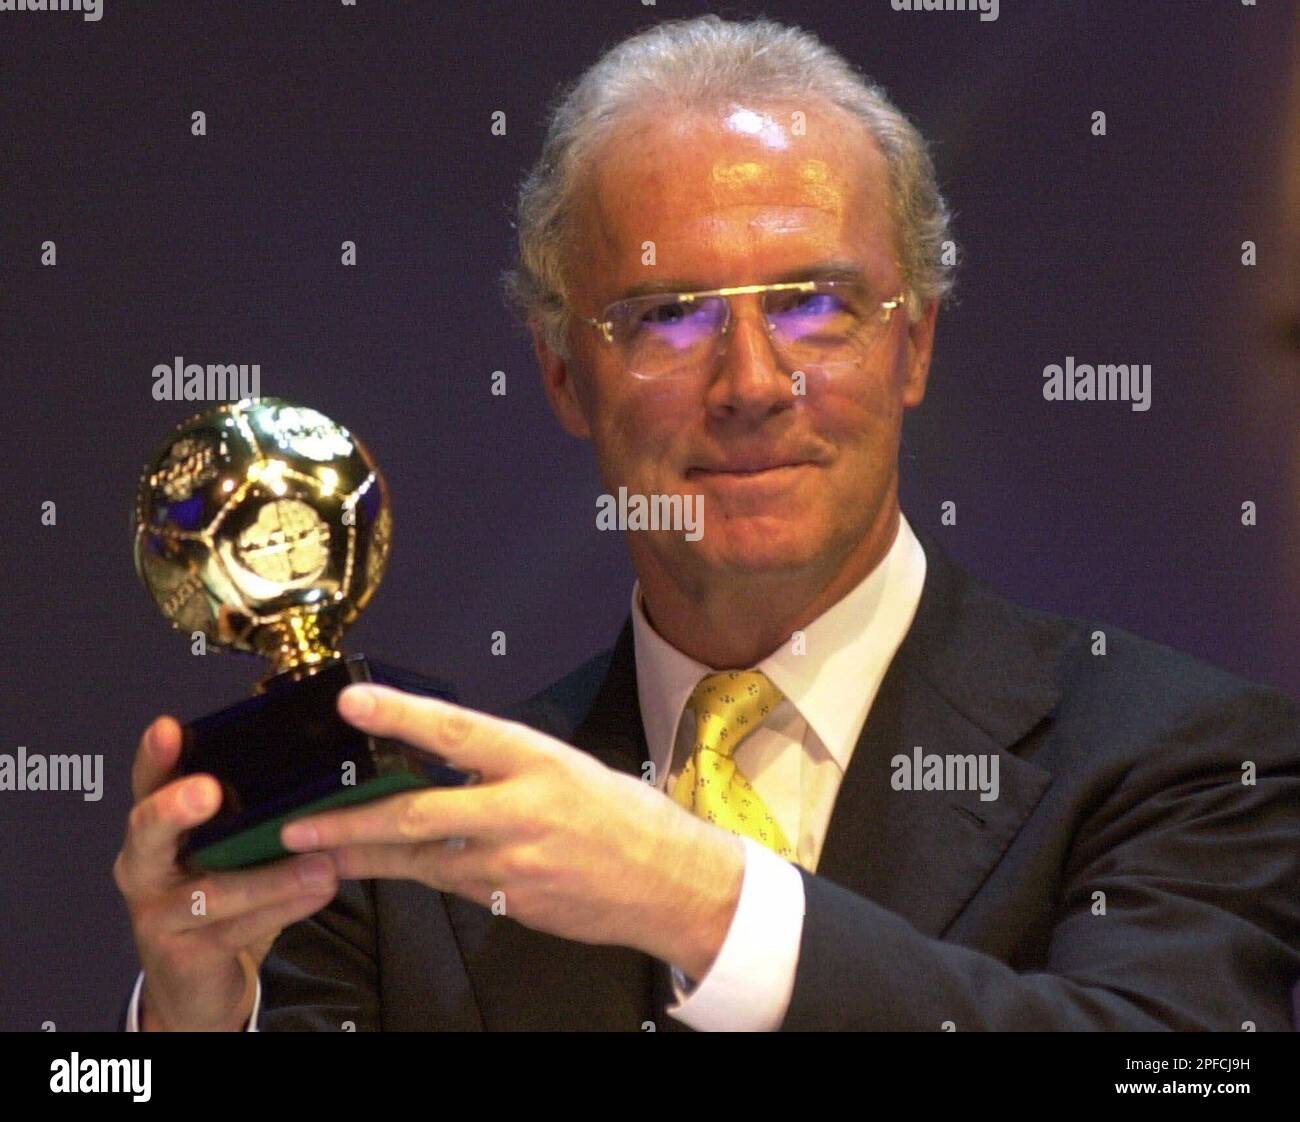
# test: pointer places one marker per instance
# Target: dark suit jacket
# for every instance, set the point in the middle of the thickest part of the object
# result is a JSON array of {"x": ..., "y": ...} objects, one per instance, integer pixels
[{"x": 1120, "y": 774}]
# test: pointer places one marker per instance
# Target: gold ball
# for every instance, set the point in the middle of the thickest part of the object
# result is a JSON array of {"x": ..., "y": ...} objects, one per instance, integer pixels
[{"x": 266, "y": 526}]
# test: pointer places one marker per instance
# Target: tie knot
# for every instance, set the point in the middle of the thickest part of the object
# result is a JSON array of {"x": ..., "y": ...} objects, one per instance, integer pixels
[{"x": 729, "y": 705}]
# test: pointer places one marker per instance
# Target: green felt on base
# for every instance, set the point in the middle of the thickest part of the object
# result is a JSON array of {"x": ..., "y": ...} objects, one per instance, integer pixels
[{"x": 262, "y": 842}]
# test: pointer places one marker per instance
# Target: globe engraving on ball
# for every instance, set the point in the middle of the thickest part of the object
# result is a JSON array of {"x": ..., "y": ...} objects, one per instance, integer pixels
[
  {"x": 288, "y": 544},
  {"x": 264, "y": 525}
]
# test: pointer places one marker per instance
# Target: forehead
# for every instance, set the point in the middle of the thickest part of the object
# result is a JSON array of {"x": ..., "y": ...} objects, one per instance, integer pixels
[{"x": 743, "y": 194}]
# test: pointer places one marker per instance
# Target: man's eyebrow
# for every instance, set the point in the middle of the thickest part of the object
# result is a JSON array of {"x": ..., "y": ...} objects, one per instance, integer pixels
[{"x": 827, "y": 270}]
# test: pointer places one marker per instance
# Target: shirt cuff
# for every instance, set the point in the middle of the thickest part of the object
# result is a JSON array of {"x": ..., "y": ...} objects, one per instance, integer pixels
[
  {"x": 748, "y": 987},
  {"x": 133, "y": 1010}
]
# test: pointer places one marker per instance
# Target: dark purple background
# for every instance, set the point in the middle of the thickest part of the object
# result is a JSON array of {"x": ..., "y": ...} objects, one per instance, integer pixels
[{"x": 329, "y": 123}]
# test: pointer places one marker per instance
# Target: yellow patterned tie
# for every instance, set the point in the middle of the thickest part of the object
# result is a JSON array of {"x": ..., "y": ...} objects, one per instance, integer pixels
[{"x": 728, "y": 707}]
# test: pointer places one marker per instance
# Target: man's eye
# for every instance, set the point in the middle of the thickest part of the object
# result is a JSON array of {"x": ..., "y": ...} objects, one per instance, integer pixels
[
  {"x": 661, "y": 315},
  {"x": 812, "y": 304}
]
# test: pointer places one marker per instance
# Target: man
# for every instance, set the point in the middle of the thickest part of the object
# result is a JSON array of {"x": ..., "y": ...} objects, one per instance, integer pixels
[{"x": 824, "y": 779}]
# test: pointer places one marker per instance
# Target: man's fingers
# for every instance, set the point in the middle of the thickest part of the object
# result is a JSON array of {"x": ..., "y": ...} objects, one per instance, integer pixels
[
  {"x": 222, "y": 897},
  {"x": 427, "y": 814},
  {"x": 432, "y": 863},
  {"x": 155, "y": 824},
  {"x": 266, "y": 923},
  {"x": 156, "y": 756},
  {"x": 467, "y": 738}
]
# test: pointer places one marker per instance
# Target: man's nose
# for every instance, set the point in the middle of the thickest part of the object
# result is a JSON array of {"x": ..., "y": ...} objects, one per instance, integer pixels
[{"x": 749, "y": 375}]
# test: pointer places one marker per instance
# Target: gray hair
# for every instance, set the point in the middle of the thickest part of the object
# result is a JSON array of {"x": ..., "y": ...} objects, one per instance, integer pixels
[{"x": 703, "y": 63}]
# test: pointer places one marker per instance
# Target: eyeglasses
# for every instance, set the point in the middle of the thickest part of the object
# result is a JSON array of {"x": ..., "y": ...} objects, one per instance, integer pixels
[{"x": 822, "y": 326}]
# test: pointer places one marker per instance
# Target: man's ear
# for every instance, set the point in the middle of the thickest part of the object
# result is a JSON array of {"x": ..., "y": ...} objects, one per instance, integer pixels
[
  {"x": 920, "y": 347},
  {"x": 561, "y": 390}
]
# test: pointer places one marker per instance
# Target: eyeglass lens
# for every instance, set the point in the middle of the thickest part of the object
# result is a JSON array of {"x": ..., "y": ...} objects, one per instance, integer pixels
[{"x": 666, "y": 334}]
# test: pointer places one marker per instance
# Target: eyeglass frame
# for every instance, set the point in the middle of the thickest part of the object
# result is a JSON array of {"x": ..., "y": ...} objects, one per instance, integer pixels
[{"x": 606, "y": 325}]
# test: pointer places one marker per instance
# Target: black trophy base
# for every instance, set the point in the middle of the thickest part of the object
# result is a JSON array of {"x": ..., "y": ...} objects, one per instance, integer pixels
[{"x": 286, "y": 753}]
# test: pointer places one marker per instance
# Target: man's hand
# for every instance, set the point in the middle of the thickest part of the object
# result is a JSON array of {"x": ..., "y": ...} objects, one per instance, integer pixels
[
  {"x": 559, "y": 841},
  {"x": 201, "y": 938}
]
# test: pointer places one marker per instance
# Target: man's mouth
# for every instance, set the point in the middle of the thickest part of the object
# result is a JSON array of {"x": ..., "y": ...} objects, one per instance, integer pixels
[
  {"x": 746, "y": 468},
  {"x": 752, "y": 479}
]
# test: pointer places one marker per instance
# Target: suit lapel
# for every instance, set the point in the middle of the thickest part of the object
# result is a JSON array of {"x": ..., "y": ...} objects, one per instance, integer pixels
[
  {"x": 524, "y": 979},
  {"x": 972, "y": 677}
]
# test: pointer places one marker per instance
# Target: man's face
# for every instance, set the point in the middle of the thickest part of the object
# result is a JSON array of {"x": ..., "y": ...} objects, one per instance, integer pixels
[{"x": 736, "y": 198}]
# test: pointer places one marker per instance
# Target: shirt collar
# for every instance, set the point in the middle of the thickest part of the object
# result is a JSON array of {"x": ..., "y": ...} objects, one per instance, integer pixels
[{"x": 832, "y": 684}]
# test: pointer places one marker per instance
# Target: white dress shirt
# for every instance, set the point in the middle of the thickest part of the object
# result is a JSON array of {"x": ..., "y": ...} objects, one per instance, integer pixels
[{"x": 795, "y": 761}]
